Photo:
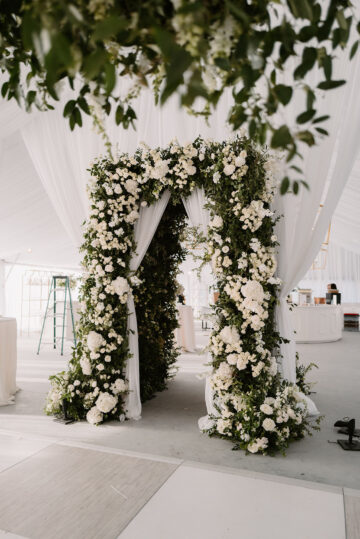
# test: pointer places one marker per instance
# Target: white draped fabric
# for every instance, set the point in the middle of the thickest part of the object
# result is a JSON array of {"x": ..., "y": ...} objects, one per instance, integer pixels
[
  {"x": 62, "y": 168},
  {"x": 145, "y": 229},
  {"x": 199, "y": 215},
  {"x": 327, "y": 170}
]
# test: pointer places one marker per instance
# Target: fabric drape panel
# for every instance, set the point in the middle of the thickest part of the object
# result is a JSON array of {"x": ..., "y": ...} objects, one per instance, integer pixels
[
  {"x": 145, "y": 229},
  {"x": 199, "y": 215},
  {"x": 61, "y": 159},
  {"x": 328, "y": 166},
  {"x": 196, "y": 211}
]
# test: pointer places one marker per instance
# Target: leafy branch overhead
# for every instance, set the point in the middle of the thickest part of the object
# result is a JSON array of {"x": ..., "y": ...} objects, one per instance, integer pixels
[{"x": 196, "y": 48}]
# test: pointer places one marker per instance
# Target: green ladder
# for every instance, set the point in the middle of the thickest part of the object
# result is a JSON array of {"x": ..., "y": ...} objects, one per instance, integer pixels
[{"x": 56, "y": 314}]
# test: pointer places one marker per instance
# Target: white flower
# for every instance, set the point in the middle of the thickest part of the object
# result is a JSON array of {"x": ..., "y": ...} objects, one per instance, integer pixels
[
  {"x": 216, "y": 222},
  {"x": 100, "y": 367},
  {"x": 120, "y": 286},
  {"x": 85, "y": 366},
  {"x": 106, "y": 402},
  {"x": 253, "y": 290},
  {"x": 229, "y": 169},
  {"x": 94, "y": 416},
  {"x": 241, "y": 159},
  {"x": 131, "y": 186},
  {"x": 216, "y": 177},
  {"x": 229, "y": 335},
  {"x": 266, "y": 409},
  {"x": 268, "y": 424},
  {"x": 95, "y": 341},
  {"x": 119, "y": 386}
]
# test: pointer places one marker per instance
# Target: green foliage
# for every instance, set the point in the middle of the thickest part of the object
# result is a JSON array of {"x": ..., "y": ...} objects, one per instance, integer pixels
[
  {"x": 302, "y": 372},
  {"x": 198, "y": 49},
  {"x": 155, "y": 300}
]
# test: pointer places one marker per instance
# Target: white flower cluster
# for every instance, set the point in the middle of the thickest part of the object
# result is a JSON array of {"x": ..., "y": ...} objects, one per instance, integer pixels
[{"x": 253, "y": 215}]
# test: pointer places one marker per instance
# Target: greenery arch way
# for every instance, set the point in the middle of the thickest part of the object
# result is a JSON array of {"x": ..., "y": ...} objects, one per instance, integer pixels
[{"x": 256, "y": 408}]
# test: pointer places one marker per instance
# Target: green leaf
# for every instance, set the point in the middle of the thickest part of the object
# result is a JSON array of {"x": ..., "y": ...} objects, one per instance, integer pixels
[
  {"x": 301, "y": 9},
  {"x": 83, "y": 105},
  {"x": 321, "y": 119},
  {"x": 94, "y": 63},
  {"x": 119, "y": 114},
  {"x": 285, "y": 184},
  {"x": 178, "y": 61},
  {"x": 252, "y": 129},
  {"x": 307, "y": 137},
  {"x": 283, "y": 93},
  {"x": 109, "y": 27},
  {"x": 281, "y": 137},
  {"x": 4, "y": 89},
  {"x": 297, "y": 169},
  {"x": 305, "y": 116},
  {"x": 69, "y": 107},
  {"x": 330, "y": 84},
  {"x": 341, "y": 20},
  {"x": 110, "y": 77},
  {"x": 354, "y": 49},
  {"x": 295, "y": 187},
  {"x": 222, "y": 63},
  {"x": 322, "y": 131}
]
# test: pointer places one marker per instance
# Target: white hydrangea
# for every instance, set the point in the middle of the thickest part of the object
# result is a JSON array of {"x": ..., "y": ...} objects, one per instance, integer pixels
[
  {"x": 229, "y": 335},
  {"x": 85, "y": 366},
  {"x": 106, "y": 402},
  {"x": 253, "y": 290},
  {"x": 95, "y": 341},
  {"x": 119, "y": 386},
  {"x": 121, "y": 288},
  {"x": 94, "y": 416}
]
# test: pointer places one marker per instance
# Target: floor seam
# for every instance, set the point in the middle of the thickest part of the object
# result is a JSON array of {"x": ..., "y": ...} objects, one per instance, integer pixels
[
  {"x": 26, "y": 458},
  {"x": 151, "y": 497}
]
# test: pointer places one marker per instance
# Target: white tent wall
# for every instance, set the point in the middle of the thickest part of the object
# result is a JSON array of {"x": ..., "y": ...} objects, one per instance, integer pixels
[{"x": 343, "y": 268}]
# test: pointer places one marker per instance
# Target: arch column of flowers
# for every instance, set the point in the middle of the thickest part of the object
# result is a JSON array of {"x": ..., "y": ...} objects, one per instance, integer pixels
[{"x": 256, "y": 408}]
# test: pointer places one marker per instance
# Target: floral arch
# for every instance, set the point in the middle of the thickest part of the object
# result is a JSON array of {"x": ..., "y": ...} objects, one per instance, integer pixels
[{"x": 227, "y": 188}]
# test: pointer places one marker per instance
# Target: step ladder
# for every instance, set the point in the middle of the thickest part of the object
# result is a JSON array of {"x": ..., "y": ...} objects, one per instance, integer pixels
[{"x": 56, "y": 312}]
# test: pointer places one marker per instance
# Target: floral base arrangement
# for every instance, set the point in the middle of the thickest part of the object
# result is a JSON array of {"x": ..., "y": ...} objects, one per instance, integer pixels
[{"x": 256, "y": 409}]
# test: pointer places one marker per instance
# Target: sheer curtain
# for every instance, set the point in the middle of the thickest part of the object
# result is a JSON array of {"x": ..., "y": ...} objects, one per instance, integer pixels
[
  {"x": 327, "y": 168},
  {"x": 199, "y": 216},
  {"x": 61, "y": 159},
  {"x": 145, "y": 229}
]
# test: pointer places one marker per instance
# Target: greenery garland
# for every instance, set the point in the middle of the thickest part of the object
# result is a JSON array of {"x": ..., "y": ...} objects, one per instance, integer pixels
[
  {"x": 256, "y": 408},
  {"x": 155, "y": 300},
  {"x": 199, "y": 49}
]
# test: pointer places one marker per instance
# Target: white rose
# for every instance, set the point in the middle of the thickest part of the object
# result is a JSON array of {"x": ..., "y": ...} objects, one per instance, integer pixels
[
  {"x": 94, "y": 416},
  {"x": 268, "y": 424},
  {"x": 266, "y": 409},
  {"x": 229, "y": 169},
  {"x": 216, "y": 222},
  {"x": 106, "y": 402}
]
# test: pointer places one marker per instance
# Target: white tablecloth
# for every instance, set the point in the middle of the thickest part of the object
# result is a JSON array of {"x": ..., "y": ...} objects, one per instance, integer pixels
[
  {"x": 8, "y": 357},
  {"x": 318, "y": 323},
  {"x": 185, "y": 334}
]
